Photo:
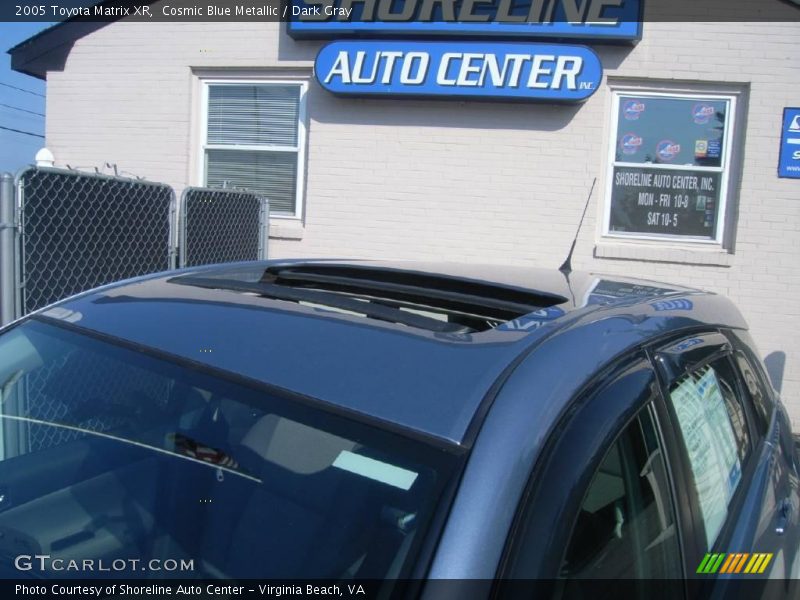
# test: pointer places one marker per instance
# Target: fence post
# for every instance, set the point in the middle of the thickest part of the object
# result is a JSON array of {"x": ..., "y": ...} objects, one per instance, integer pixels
[
  {"x": 182, "y": 212},
  {"x": 173, "y": 231},
  {"x": 263, "y": 250},
  {"x": 8, "y": 292}
]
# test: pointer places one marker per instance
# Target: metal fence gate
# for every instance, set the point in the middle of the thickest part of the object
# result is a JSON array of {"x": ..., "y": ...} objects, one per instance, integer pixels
[
  {"x": 65, "y": 231},
  {"x": 79, "y": 231},
  {"x": 219, "y": 226}
]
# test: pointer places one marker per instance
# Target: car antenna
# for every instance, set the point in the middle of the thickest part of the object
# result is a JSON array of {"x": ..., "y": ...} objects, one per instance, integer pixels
[{"x": 566, "y": 268}]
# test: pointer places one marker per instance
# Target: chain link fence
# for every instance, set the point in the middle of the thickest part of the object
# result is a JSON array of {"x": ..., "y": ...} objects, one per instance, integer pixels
[
  {"x": 220, "y": 225},
  {"x": 81, "y": 230},
  {"x": 65, "y": 231}
]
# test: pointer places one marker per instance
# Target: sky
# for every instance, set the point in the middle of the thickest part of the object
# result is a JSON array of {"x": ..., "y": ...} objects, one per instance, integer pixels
[{"x": 16, "y": 149}]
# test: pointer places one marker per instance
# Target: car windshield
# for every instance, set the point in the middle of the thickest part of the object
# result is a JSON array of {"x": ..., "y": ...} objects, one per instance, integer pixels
[{"x": 145, "y": 467}]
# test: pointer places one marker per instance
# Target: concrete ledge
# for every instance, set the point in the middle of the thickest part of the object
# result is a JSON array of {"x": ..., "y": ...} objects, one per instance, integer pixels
[
  {"x": 680, "y": 254},
  {"x": 286, "y": 229}
]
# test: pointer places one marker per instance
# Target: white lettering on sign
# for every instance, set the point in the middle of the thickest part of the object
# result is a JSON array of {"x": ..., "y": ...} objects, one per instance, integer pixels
[
  {"x": 341, "y": 67},
  {"x": 444, "y": 65},
  {"x": 537, "y": 69},
  {"x": 567, "y": 67},
  {"x": 512, "y": 65},
  {"x": 458, "y": 69},
  {"x": 358, "y": 75},
  {"x": 423, "y": 60},
  {"x": 390, "y": 57},
  {"x": 469, "y": 65}
]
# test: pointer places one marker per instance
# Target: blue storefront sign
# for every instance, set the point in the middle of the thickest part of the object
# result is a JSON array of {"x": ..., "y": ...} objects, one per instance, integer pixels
[
  {"x": 594, "y": 20},
  {"x": 501, "y": 70},
  {"x": 789, "y": 161}
]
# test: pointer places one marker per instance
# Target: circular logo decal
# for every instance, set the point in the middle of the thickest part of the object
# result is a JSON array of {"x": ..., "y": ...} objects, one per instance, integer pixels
[
  {"x": 702, "y": 113},
  {"x": 630, "y": 143},
  {"x": 632, "y": 109},
  {"x": 667, "y": 150}
]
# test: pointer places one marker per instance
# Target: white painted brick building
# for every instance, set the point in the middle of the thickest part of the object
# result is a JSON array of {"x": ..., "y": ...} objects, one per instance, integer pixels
[{"x": 461, "y": 180}]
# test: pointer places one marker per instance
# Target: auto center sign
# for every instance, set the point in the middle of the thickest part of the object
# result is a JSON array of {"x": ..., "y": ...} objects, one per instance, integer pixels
[
  {"x": 447, "y": 54},
  {"x": 459, "y": 69}
]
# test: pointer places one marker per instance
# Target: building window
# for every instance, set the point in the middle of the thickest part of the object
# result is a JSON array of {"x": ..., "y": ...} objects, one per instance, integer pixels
[
  {"x": 669, "y": 166},
  {"x": 254, "y": 138}
]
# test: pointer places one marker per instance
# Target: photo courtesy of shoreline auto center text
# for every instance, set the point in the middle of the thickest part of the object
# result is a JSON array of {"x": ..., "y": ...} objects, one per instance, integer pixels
[{"x": 400, "y": 299}]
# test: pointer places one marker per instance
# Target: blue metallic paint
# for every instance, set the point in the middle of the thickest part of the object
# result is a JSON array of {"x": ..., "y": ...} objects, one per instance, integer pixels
[
  {"x": 434, "y": 383},
  {"x": 501, "y": 392},
  {"x": 519, "y": 423}
]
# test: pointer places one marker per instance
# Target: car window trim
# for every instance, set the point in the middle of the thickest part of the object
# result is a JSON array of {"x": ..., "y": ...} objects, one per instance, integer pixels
[
  {"x": 741, "y": 348},
  {"x": 678, "y": 457},
  {"x": 656, "y": 412},
  {"x": 688, "y": 516},
  {"x": 615, "y": 372},
  {"x": 725, "y": 350},
  {"x": 672, "y": 365}
]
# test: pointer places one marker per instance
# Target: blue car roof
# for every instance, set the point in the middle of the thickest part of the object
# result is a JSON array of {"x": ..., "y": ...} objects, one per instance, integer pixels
[{"x": 432, "y": 382}]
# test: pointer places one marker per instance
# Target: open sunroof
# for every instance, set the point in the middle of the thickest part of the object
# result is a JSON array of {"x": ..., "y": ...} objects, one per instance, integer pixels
[{"x": 421, "y": 300}]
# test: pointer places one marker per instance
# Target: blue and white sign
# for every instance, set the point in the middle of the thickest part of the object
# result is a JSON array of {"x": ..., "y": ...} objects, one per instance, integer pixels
[
  {"x": 596, "y": 20},
  {"x": 789, "y": 161},
  {"x": 502, "y": 70}
]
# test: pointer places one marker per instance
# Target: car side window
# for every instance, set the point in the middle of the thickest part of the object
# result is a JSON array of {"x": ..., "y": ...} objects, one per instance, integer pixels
[
  {"x": 712, "y": 423},
  {"x": 762, "y": 404},
  {"x": 626, "y": 526}
]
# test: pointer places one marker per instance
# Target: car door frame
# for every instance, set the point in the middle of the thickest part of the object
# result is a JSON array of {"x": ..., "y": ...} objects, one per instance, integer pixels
[
  {"x": 565, "y": 460},
  {"x": 671, "y": 366}
]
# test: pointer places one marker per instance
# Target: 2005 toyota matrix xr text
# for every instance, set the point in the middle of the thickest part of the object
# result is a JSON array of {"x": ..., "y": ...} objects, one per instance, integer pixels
[{"x": 355, "y": 420}]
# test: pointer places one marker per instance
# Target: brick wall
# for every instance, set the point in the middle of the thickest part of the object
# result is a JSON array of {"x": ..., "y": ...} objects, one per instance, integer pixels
[{"x": 460, "y": 181}]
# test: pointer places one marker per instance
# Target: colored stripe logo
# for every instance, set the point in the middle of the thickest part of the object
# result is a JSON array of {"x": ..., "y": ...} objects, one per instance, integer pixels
[{"x": 735, "y": 563}]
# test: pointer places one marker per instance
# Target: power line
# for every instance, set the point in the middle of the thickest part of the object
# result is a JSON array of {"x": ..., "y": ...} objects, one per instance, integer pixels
[
  {"x": 22, "y": 132},
  {"x": 19, "y": 89},
  {"x": 38, "y": 114}
]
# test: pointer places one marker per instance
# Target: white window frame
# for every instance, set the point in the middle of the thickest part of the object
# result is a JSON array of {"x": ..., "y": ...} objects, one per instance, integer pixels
[
  {"x": 724, "y": 169},
  {"x": 300, "y": 148}
]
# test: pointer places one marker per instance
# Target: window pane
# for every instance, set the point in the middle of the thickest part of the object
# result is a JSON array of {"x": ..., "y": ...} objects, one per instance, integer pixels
[
  {"x": 715, "y": 435},
  {"x": 273, "y": 174},
  {"x": 656, "y": 133},
  {"x": 659, "y": 201},
  {"x": 253, "y": 114},
  {"x": 760, "y": 400},
  {"x": 671, "y": 131},
  {"x": 113, "y": 453},
  {"x": 626, "y": 527}
]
